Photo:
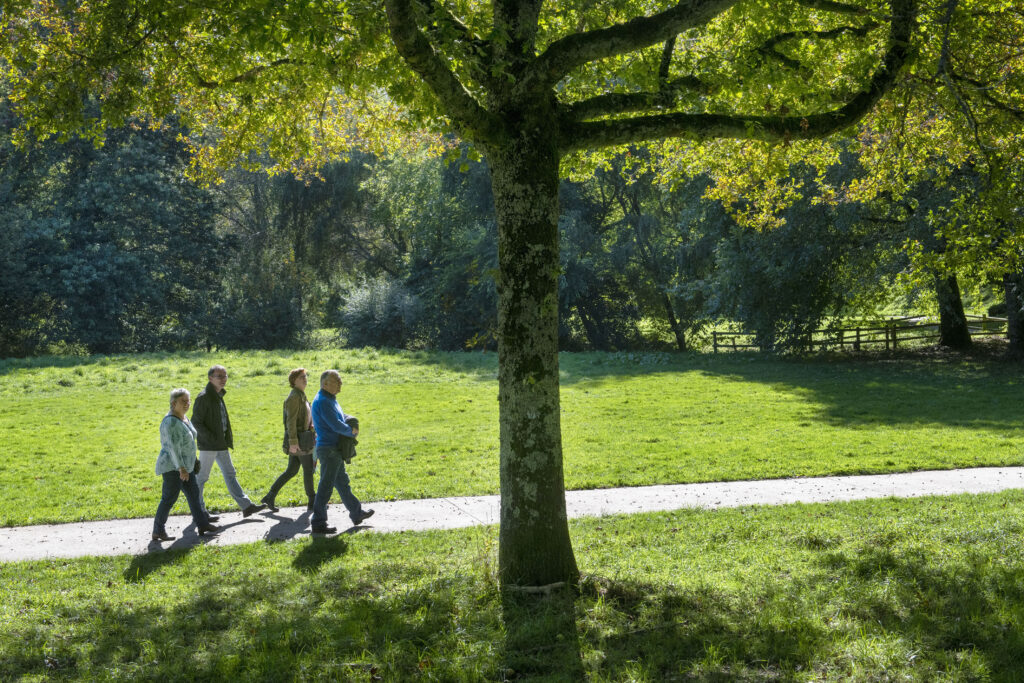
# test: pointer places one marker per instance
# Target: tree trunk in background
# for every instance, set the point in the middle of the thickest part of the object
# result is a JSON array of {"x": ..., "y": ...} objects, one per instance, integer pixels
[
  {"x": 534, "y": 548},
  {"x": 677, "y": 329},
  {"x": 953, "y": 332},
  {"x": 1013, "y": 290}
]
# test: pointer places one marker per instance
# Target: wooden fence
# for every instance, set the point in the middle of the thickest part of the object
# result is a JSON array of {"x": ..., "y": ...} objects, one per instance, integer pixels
[{"x": 890, "y": 334}]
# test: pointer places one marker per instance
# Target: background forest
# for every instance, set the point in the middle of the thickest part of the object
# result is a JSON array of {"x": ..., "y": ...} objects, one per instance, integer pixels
[{"x": 115, "y": 249}]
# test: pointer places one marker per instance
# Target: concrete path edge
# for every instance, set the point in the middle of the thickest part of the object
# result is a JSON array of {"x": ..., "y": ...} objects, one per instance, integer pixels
[{"x": 132, "y": 536}]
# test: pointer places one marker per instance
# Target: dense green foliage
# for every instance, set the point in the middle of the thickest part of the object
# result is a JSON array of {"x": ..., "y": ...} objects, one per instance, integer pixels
[
  {"x": 401, "y": 253},
  {"x": 108, "y": 249},
  {"x": 428, "y": 422},
  {"x": 920, "y": 590}
]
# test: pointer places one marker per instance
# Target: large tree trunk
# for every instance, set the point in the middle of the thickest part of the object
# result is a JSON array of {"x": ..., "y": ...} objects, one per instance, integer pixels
[
  {"x": 953, "y": 332},
  {"x": 1013, "y": 290},
  {"x": 534, "y": 547}
]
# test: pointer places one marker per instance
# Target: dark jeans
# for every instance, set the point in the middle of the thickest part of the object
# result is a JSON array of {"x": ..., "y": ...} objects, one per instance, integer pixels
[
  {"x": 294, "y": 462},
  {"x": 333, "y": 476},
  {"x": 173, "y": 485}
]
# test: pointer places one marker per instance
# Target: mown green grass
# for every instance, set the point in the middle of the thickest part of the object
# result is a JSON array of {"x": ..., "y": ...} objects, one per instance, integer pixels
[
  {"x": 81, "y": 435},
  {"x": 922, "y": 589}
]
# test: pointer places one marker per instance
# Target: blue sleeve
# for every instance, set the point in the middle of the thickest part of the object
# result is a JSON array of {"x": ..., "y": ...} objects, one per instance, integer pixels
[{"x": 329, "y": 419}]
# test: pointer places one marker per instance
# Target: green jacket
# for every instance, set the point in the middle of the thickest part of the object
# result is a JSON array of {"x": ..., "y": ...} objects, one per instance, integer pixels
[
  {"x": 206, "y": 418},
  {"x": 297, "y": 418}
]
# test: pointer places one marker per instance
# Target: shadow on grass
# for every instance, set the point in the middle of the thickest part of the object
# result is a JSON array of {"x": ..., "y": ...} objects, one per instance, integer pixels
[
  {"x": 401, "y": 622},
  {"x": 922, "y": 387},
  {"x": 541, "y": 640},
  {"x": 958, "y": 620},
  {"x": 319, "y": 551},
  {"x": 158, "y": 555},
  {"x": 976, "y": 395},
  {"x": 142, "y": 566}
]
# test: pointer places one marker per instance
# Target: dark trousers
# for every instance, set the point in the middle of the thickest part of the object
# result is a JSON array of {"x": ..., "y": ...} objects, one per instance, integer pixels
[
  {"x": 294, "y": 462},
  {"x": 333, "y": 476},
  {"x": 173, "y": 486}
]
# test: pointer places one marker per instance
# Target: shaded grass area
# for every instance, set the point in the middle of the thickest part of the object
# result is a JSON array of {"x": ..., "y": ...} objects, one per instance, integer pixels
[
  {"x": 82, "y": 434},
  {"x": 920, "y": 589}
]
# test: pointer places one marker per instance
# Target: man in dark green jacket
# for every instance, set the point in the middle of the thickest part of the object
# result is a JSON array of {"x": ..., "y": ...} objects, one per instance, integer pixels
[{"x": 214, "y": 438}]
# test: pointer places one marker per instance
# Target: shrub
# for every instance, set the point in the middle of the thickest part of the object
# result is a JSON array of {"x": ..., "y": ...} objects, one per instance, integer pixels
[{"x": 380, "y": 312}]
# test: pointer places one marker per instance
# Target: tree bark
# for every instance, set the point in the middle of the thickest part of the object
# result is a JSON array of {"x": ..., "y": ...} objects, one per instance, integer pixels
[
  {"x": 677, "y": 329},
  {"x": 1013, "y": 290},
  {"x": 953, "y": 332},
  {"x": 534, "y": 547}
]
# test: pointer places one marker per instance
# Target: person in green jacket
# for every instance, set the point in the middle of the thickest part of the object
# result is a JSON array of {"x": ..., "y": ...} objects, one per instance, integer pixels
[{"x": 298, "y": 427}]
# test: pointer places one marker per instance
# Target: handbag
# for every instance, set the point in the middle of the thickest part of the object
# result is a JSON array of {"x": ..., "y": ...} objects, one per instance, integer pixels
[{"x": 307, "y": 440}]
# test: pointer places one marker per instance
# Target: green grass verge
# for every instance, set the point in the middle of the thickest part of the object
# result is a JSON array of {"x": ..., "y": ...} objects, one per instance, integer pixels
[
  {"x": 922, "y": 589},
  {"x": 81, "y": 434}
]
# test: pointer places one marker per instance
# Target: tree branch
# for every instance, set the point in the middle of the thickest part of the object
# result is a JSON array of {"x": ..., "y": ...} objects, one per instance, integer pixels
[
  {"x": 243, "y": 77},
  {"x": 942, "y": 71},
  {"x": 444, "y": 17},
  {"x": 984, "y": 89},
  {"x": 768, "y": 49},
  {"x": 830, "y": 6},
  {"x": 589, "y": 134},
  {"x": 666, "y": 62},
  {"x": 575, "y": 50},
  {"x": 621, "y": 103},
  {"x": 420, "y": 55}
]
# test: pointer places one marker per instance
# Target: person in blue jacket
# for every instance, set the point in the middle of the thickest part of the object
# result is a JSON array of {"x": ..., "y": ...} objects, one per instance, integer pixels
[{"x": 335, "y": 445}]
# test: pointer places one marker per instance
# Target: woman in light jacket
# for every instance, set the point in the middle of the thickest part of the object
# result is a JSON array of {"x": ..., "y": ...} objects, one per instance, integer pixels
[
  {"x": 177, "y": 465},
  {"x": 297, "y": 419}
]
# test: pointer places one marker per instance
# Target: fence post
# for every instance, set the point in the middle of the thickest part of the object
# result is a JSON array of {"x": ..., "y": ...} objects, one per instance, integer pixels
[
  {"x": 856, "y": 344},
  {"x": 714, "y": 340}
]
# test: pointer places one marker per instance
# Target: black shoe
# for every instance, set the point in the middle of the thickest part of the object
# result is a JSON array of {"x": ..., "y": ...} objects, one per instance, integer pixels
[
  {"x": 253, "y": 509},
  {"x": 208, "y": 529},
  {"x": 323, "y": 529},
  {"x": 162, "y": 536},
  {"x": 212, "y": 518},
  {"x": 362, "y": 517},
  {"x": 269, "y": 502}
]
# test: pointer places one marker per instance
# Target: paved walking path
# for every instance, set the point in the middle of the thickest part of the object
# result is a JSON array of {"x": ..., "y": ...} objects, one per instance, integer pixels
[{"x": 131, "y": 536}]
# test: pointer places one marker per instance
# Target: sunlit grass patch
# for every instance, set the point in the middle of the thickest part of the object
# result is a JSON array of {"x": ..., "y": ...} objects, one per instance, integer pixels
[{"x": 82, "y": 434}]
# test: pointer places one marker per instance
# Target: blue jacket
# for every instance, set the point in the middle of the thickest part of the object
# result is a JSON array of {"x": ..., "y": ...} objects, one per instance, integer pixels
[{"x": 329, "y": 421}]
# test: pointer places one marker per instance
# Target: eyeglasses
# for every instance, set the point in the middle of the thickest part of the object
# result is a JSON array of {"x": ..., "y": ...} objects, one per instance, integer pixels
[{"x": 219, "y": 376}]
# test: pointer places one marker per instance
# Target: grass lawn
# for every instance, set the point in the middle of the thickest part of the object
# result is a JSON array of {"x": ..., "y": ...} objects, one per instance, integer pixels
[
  {"x": 923, "y": 589},
  {"x": 80, "y": 435}
]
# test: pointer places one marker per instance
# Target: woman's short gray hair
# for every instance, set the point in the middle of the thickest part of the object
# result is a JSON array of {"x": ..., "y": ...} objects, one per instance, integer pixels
[{"x": 178, "y": 393}]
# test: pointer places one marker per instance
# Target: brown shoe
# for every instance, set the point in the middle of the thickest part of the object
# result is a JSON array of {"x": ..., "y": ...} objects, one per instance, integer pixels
[
  {"x": 252, "y": 510},
  {"x": 162, "y": 536}
]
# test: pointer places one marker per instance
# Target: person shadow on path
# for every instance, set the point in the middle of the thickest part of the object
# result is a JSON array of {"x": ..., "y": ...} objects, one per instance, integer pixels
[
  {"x": 286, "y": 528},
  {"x": 157, "y": 554}
]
